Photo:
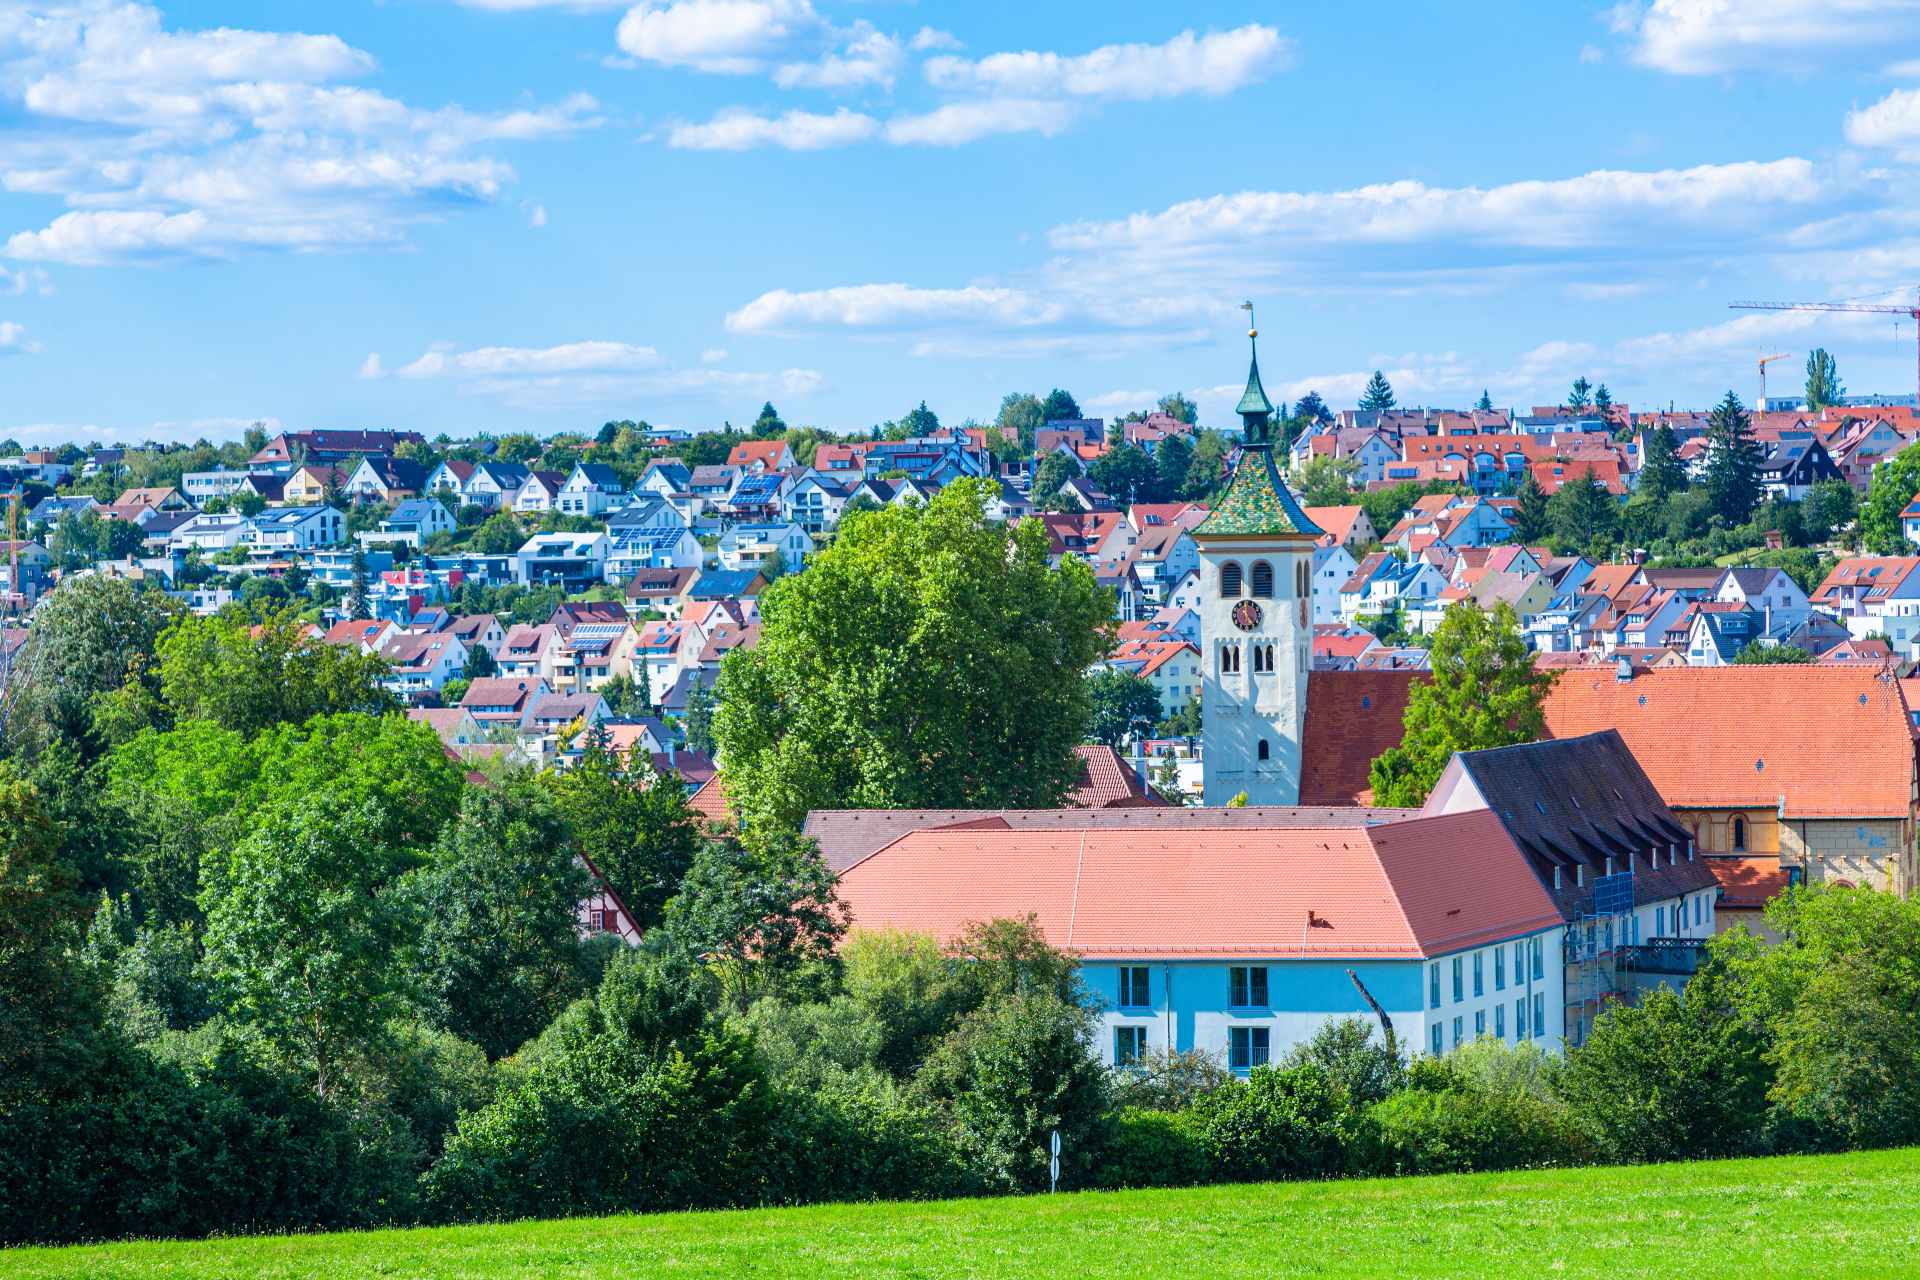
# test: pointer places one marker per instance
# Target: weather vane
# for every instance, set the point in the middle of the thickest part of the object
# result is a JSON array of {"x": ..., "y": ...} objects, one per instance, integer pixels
[{"x": 1247, "y": 307}]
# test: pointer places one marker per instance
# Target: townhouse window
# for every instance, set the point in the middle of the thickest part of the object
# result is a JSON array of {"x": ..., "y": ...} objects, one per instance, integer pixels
[
  {"x": 1134, "y": 985},
  {"x": 1247, "y": 986},
  {"x": 1520, "y": 1017},
  {"x": 1499, "y": 968},
  {"x": 1129, "y": 1045},
  {"x": 1539, "y": 1014},
  {"x": 1659, "y": 922},
  {"x": 1247, "y": 1047},
  {"x": 1433, "y": 986},
  {"x": 1697, "y": 901},
  {"x": 1262, "y": 580},
  {"x": 1435, "y": 1038},
  {"x": 1579, "y": 874},
  {"x": 1539, "y": 959},
  {"x": 1500, "y": 1021},
  {"x": 1479, "y": 1023},
  {"x": 1459, "y": 1029},
  {"x": 1739, "y": 835},
  {"x": 1459, "y": 979},
  {"x": 1479, "y": 975},
  {"x": 1229, "y": 580}
]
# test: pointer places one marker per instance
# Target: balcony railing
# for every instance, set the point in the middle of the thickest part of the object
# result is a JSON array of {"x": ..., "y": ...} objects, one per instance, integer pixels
[{"x": 1664, "y": 955}]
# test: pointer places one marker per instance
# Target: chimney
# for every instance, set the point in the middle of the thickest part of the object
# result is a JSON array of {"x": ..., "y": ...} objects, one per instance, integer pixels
[{"x": 1623, "y": 671}]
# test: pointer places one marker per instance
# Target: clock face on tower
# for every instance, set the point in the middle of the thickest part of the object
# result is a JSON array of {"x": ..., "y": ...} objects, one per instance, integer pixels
[{"x": 1246, "y": 615}]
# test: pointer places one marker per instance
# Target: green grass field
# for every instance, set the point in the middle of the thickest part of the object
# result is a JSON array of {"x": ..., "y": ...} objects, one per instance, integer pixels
[{"x": 1825, "y": 1216}]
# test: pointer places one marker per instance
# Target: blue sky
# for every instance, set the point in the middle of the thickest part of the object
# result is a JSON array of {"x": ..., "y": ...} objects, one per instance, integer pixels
[{"x": 526, "y": 215}]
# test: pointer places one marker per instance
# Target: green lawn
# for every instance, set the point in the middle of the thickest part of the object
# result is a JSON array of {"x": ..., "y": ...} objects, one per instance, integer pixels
[{"x": 1822, "y": 1216}]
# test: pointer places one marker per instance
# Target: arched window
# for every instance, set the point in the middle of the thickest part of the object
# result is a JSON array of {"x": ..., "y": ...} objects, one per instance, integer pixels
[
  {"x": 1270, "y": 663},
  {"x": 1262, "y": 580},
  {"x": 1229, "y": 659},
  {"x": 1300, "y": 575},
  {"x": 1739, "y": 833},
  {"x": 1262, "y": 659},
  {"x": 1265, "y": 750},
  {"x": 1229, "y": 580}
]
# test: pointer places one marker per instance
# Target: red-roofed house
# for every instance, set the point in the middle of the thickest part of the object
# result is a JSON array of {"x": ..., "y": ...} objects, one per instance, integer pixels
[
  {"x": 1346, "y": 526},
  {"x": 757, "y": 457},
  {"x": 1239, "y": 942}
]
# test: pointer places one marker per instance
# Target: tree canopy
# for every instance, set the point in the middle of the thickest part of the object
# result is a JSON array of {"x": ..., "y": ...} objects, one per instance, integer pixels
[
  {"x": 1485, "y": 692},
  {"x": 1378, "y": 395},
  {"x": 928, "y": 658}
]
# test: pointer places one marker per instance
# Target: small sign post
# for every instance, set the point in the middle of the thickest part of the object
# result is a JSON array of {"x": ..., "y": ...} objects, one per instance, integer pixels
[{"x": 1053, "y": 1163}]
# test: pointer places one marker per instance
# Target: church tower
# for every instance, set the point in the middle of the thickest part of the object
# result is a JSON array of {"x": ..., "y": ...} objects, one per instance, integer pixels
[{"x": 1256, "y": 619}]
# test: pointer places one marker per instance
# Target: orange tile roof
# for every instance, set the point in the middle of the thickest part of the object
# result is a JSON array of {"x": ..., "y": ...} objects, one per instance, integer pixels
[
  {"x": 1105, "y": 780},
  {"x": 1336, "y": 522},
  {"x": 1879, "y": 575},
  {"x": 1819, "y": 741},
  {"x": 1408, "y": 889}
]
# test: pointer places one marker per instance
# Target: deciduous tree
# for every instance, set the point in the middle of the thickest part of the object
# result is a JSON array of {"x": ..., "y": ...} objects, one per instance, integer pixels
[
  {"x": 930, "y": 657},
  {"x": 1485, "y": 692}
]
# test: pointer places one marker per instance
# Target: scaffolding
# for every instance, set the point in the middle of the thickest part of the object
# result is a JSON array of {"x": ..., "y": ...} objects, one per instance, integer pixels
[{"x": 1598, "y": 938}]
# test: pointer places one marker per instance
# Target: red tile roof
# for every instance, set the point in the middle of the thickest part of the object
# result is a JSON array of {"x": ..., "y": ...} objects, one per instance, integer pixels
[
  {"x": 1409, "y": 889},
  {"x": 1106, "y": 781},
  {"x": 1352, "y": 716},
  {"x": 1818, "y": 741}
]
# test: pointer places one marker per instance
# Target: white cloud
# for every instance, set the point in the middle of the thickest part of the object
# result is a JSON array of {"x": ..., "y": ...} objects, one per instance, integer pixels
[
  {"x": 27, "y": 280},
  {"x": 1706, "y": 37},
  {"x": 1908, "y": 70},
  {"x": 537, "y": 216},
  {"x": 92, "y": 238},
  {"x": 1592, "y": 53},
  {"x": 888, "y": 305},
  {"x": 713, "y": 355},
  {"x": 1893, "y": 121},
  {"x": 732, "y": 37},
  {"x": 1603, "y": 205},
  {"x": 208, "y": 142},
  {"x": 927, "y": 39},
  {"x": 14, "y": 340},
  {"x": 1215, "y": 63},
  {"x": 738, "y": 129},
  {"x": 572, "y": 357},
  {"x": 871, "y": 57},
  {"x": 962, "y": 122},
  {"x": 371, "y": 367}
]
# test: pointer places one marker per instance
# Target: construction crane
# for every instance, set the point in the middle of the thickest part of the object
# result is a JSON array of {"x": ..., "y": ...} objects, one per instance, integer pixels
[
  {"x": 1912, "y": 313},
  {"x": 1764, "y": 362}
]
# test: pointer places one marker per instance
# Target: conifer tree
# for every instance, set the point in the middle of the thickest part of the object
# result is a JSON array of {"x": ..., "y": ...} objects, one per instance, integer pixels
[
  {"x": 1378, "y": 396},
  {"x": 1733, "y": 462}
]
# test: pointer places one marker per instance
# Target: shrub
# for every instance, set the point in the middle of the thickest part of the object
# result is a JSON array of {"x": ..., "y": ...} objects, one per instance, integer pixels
[
  {"x": 1464, "y": 1131},
  {"x": 1671, "y": 1078},
  {"x": 1153, "y": 1148},
  {"x": 1280, "y": 1122},
  {"x": 1345, "y": 1049},
  {"x": 1010, "y": 1074}
]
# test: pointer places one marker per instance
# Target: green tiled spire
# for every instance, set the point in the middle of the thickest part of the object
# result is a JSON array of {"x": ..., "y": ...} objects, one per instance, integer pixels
[
  {"x": 1257, "y": 500},
  {"x": 1253, "y": 401},
  {"x": 1254, "y": 407}
]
